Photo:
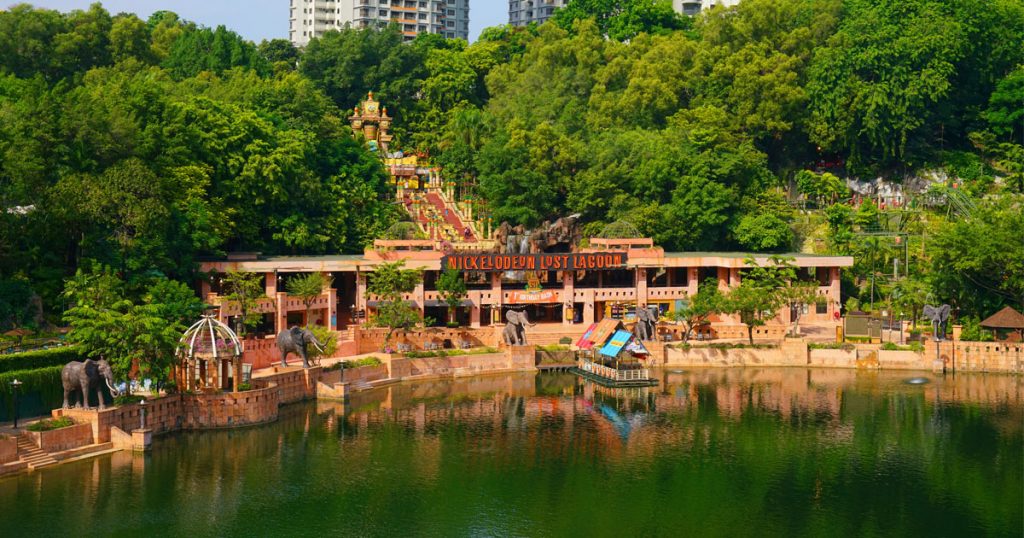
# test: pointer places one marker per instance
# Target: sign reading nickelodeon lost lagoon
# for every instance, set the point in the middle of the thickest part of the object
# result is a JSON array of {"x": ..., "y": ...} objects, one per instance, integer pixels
[{"x": 569, "y": 261}]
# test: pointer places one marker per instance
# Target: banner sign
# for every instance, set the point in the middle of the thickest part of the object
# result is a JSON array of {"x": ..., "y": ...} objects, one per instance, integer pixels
[
  {"x": 525, "y": 297},
  {"x": 570, "y": 261}
]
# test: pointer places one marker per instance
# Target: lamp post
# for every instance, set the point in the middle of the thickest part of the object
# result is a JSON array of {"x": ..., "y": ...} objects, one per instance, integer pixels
[
  {"x": 14, "y": 390},
  {"x": 142, "y": 414}
]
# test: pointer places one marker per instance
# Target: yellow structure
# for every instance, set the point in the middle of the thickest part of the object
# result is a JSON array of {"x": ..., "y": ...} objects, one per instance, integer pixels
[{"x": 372, "y": 120}]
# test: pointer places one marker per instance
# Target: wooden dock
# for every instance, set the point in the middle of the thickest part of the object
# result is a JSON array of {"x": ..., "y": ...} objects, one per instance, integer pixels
[{"x": 610, "y": 377}]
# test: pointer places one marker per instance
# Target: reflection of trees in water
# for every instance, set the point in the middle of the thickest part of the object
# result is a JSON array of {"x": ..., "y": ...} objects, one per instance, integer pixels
[{"x": 790, "y": 443}]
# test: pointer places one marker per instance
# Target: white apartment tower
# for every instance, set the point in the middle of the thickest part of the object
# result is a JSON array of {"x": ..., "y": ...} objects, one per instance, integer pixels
[
  {"x": 523, "y": 12},
  {"x": 311, "y": 18}
]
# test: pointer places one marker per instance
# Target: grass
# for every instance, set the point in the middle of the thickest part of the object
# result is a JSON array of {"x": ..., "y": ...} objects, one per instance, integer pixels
[
  {"x": 46, "y": 425},
  {"x": 553, "y": 347}
]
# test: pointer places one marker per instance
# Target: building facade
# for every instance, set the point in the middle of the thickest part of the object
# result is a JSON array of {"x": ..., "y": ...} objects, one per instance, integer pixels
[
  {"x": 523, "y": 12},
  {"x": 609, "y": 278},
  {"x": 311, "y": 18}
]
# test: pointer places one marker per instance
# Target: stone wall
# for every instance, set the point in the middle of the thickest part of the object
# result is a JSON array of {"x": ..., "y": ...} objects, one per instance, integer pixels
[
  {"x": 227, "y": 409},
  {"x": 786, "y": 354},
  {"x": 833, "y": 358},
  {"x": 402, "y": 367},
  {"x": 63, "y": 438},
  {"x": 977, "y": 356},
  {"x": 293, "y": 384},
  {"x": 8, "y": 448},
  {"x": 372, "y": 340}
]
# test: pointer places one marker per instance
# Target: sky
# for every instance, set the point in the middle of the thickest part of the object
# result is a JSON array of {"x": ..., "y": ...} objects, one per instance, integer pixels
[{"x": 253, "y": 19}]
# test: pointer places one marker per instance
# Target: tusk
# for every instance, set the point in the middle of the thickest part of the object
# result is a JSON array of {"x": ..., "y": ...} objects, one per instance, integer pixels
[{"x": 113, "y": 392}]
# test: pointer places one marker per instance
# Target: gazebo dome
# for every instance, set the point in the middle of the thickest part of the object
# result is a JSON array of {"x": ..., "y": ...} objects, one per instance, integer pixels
[{"x": 208, "y": 338}]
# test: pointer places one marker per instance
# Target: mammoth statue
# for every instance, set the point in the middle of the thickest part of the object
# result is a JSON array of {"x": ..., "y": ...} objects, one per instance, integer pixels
[
  {"x": 295, "y": 340},
  {"x": 646, "y": 322},
  {"x": 938, "y": 315},
  {"x": 85, "y": 377},
  {"x": 514, "y": 333}
]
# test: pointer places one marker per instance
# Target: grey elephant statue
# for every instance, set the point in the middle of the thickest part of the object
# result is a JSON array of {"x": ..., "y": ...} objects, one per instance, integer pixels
[
  {"x": 514, "y": 333},
  {"x": 85, "y": 377},
  {"x": 938, "y": 315},
  {"x": 646, "y": 323},
  {"x": 295, "y": 340}
]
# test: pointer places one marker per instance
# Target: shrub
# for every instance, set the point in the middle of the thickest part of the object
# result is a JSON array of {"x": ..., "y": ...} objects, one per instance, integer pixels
[
  {"x": 831, "y": 345},
  {"x": 365, "y": 361},
  {"x": 244, "y": 387},
  {"x": 565, "y": 340},
  {"x": 46, "y": 425},
  {"x": 553, "y": 347},
  {"x": 40, "y": 358}
]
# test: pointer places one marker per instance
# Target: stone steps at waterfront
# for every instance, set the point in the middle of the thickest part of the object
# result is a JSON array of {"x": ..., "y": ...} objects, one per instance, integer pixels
[{"x": 29, "y": 453}]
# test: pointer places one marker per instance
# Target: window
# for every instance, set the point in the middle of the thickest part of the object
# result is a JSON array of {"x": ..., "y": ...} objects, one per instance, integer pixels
[
  {"x": 821, "y": 307},
  {"x": 382, "y": 12}
]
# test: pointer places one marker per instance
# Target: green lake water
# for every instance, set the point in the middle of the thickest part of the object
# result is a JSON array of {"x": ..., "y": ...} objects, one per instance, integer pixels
[{"x": 739, "y": 452}]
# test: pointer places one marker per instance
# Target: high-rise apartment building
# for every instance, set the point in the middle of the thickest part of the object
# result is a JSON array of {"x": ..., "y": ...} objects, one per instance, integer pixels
[
  {"x": 523, "y": 12},
  {"x": 311, "y": 18}
]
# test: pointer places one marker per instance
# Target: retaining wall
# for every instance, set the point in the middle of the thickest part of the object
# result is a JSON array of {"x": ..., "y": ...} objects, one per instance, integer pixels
[
  {"x": 63, "y": 438},
  {"x": 372, "y": 340},
  {"x": 8, "y": 448}
]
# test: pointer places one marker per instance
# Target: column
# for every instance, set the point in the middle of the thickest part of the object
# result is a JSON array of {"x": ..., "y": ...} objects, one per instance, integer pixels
[
  {"x": 734, "y": 277},
  {"x": 568, "y": 297},
  {"x": 474, "y": 311},
  {"x": 834, "y": 293},
  {"x": 360, "y": 291},
  {"x": 281, "y": 323},
  {"x": 641, "y": 286},
  {"x": 692, "y": 280},
  {"x": 723, "y": 279},
  {"x": 420, "y": 297},
  {"x": 270, "y": 284},
  {"x": 588, "y": 307},
  {"x": 332, "y": 309}
]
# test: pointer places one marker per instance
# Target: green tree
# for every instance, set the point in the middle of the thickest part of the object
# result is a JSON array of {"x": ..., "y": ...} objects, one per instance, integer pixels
[
  {"x": 246, "y": 290},
  {"x": 700, "y": 307},
  {"x": 452, "y": 290},
  {"x": 307, "y": 288},
  {"x": 388, "y": 283},
  {"x": 757, "y": 298},
  {"x": 622, "y": 19}
]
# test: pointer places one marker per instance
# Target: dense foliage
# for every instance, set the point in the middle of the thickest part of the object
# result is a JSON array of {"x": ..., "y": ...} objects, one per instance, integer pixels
[{"x": 142, "y": 145}]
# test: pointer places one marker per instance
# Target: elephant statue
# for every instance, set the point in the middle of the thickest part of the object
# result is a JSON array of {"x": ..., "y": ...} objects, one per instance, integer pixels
[
  {"x": 646, "y": 323},
  {"x": 514, "y": 333},
  {"x": 295, "y": 340},
  {"x": 938, "y": 315},
  {"x": 85, "y": 377}
]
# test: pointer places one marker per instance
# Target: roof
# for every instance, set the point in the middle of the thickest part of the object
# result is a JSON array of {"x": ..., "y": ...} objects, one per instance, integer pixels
[
  {"x": 1007, "y": 318},
  {"x": 617, "y": 342}
]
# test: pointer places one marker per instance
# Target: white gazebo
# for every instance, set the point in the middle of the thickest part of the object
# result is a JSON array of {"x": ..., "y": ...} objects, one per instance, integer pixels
[{"x": 210, "y": 357}]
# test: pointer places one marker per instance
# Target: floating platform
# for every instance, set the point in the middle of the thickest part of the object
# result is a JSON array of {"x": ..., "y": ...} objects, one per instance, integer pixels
[{"x": 611, "y": 377}]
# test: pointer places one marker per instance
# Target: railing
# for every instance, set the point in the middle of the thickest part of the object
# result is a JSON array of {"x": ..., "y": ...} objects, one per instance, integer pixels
[{"x": 638, "y": 374}]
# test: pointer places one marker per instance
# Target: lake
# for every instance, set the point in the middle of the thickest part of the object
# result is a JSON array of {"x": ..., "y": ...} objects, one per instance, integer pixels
[{"x": 728, "y": 452}]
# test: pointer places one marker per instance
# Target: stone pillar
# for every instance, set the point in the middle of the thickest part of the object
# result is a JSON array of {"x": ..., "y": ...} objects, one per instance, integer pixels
[
  {"x": 834, "y": 293},
  {"x": 237, "y": 374},
  {"x": 420, "y": 297},
  {"x": 692, "y": 280},
  {"x": 270, "y": 284},
  {"x": 332, "y": 309},
  {"x": 281, "y": 321},
  {"x": 204, "y": 288},
  {"x": 641, "y": 287},
  {"x": 588, "y": 307},
  {"x": 723, "y": 279},
  {"x": 360, "y": 291},
  {"x": 474, "y": 311},
  {"x": 496, "y": 289},
  {"x": 734, "y": 277},
  {"x": 568, "y": 297}
]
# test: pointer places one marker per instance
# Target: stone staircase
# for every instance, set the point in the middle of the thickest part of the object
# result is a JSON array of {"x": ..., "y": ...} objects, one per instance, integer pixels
[{"x": 33, "y": 455}]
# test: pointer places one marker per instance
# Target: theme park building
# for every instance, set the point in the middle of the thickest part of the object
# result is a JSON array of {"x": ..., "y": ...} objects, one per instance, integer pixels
[{"x": 550, "y": 272}]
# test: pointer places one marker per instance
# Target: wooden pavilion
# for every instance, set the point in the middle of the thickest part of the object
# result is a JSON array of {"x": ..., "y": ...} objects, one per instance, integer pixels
[{"x": 1008, "y": 324}]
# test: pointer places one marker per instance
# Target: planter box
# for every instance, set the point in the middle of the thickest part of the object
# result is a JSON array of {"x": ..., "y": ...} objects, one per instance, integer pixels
[
  {"x": 63, "y": 439},
  {"x": 8, "y": 448}
]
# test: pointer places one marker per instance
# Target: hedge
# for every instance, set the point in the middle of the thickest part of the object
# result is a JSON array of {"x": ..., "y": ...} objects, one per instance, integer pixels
[
  {"x": 40, "y": 358},
  {"x": 41, "y": 390}
]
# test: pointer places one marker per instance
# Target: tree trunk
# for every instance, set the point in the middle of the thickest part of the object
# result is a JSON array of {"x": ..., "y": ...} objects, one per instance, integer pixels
[{"x": 750, "y": 334}]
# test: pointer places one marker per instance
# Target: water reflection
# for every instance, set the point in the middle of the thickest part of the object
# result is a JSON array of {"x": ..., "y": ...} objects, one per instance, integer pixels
[{"x": 719, "y": 452}]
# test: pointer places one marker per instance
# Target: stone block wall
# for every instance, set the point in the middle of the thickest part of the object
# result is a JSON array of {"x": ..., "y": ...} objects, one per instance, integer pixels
[
  {"x": 63, "y": 438},
  {"x": 202, "y": 411},
  {"x": 461, "y": 364},
  {"x": 833, "y": 358},
  {"x": 162, "y": 415},
  {"x": 8, "y": 448},
  {"x": 372, "y": 340},
  {"x": 292, "y": 384},
  {"x": 977, "y": 356}
]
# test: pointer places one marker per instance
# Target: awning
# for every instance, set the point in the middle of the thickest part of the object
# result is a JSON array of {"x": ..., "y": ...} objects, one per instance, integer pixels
[
  {"x": 374, "y": 304},
  {"x": 617, "y": 342},
  {"x": 584, "y": 342},
  {"x": 438, "y": 302}
]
